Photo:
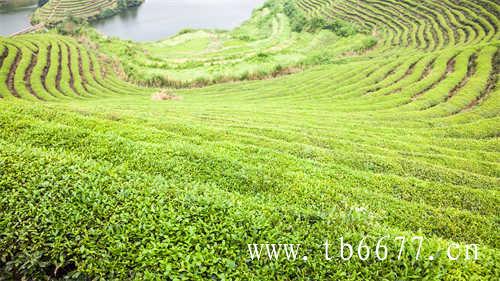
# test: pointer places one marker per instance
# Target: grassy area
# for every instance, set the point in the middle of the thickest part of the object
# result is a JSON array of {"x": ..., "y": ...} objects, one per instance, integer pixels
[
  {"x": 100, "y": 181},
  {"x": 265, "y": 46}
]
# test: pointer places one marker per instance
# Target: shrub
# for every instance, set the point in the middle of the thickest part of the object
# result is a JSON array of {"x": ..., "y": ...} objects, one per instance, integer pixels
[
  {"x": 71, "y": 25},
  {"x": 107, "y": 13},
  {"x": 297, "y": 19},
  {"x": 299, "y": 22}
]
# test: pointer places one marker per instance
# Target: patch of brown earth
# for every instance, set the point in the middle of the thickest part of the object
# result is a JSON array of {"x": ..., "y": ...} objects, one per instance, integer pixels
[
  {"x": 59, "y": 69},
  {"x": 490, "y": 86},
  {"x": 427, "y": 70},
  {"x": 408, "y": 72},
  {"x": 165, "y": 95},
  {"x": 389, "y": 73},
  {"x": 27, "y": 75},
  {"x": 12, "y": 73},
  {"x": 70, "y": 70},
  {"x": 450, "y": 67},
  {"x": 4, "y": 54},
  {"x": 80, "y": 70},
  {"x": 45, "y": 70},
  {"x": 471, "y": 69}
]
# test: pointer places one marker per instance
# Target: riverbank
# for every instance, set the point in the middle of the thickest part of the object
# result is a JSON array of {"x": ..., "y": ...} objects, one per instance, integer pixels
[{"x": 158, "y": 19}]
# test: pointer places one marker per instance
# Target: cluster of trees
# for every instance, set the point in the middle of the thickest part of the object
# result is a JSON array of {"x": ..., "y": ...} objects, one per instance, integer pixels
[
  {"x": 42, "y": 2},
  {"x": 122, "y": 6},
  {"x": 299, "y": 22}
]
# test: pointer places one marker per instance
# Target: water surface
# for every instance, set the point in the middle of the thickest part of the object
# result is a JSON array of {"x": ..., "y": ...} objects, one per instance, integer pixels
[
  {"x": 15, "y": 16},
  {"x": 153, "y": 20},
  {"x": 157, "y": 19}
]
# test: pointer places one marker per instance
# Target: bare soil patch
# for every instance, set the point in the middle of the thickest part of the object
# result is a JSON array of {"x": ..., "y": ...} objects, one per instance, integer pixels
[
  {"x": 12, "y": 74},
  {"x": 165, "y": 95},
  {"x": 27, "y": 75}
]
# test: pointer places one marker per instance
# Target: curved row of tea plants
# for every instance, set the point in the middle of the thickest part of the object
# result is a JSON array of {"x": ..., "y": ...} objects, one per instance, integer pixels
[
  {"x": 57, "y": 10},
  {"x": 52, "y": 67},
  {"x": 427, "y": 25},
  {"x": 398, "y": 140}
]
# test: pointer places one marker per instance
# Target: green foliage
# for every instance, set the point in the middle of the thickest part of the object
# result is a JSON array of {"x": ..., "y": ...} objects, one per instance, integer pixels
[
  {"x": 57, "y": 11},
  {"x": 389, "y": 134},
  {"x": 299, "y": 22},
  {"x": 297, "y": 18},
  {"x": 70, "y": 26},
  {"x": 107, "y": 13}
]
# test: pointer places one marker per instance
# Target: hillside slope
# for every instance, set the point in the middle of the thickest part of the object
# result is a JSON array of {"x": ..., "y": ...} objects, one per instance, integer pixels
[
  {"x": 49, "y": 67},
  {"x": 57, "y": 10},
  {"x": 401, "y": 140},
  {"x": 267, "y": 45}
]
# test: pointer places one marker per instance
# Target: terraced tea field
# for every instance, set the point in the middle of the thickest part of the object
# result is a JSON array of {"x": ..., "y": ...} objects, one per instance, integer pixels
[
  {"x": 264, "y": 46},
  {"x": 57, "y": 10},
  {"x": 99, "y": 181},
  {"x": 54, "y": 68}
]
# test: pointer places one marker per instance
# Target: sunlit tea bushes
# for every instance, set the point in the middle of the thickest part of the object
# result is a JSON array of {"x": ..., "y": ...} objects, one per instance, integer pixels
[
  {"x": 100, "y": 181},
  {"x": 52, "y": 67},
  {"x": 57, "y": 10}
]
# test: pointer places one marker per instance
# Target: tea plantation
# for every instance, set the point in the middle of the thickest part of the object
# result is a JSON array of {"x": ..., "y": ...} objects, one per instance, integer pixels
[
  {"x": 369, "y": 118},
  {"x": 54, "y": 11}
]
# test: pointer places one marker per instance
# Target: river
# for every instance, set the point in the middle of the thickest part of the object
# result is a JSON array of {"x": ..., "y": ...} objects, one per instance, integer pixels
[
  {"x": 153, "y": 20},
  {"x": 157, "y": 19}
]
